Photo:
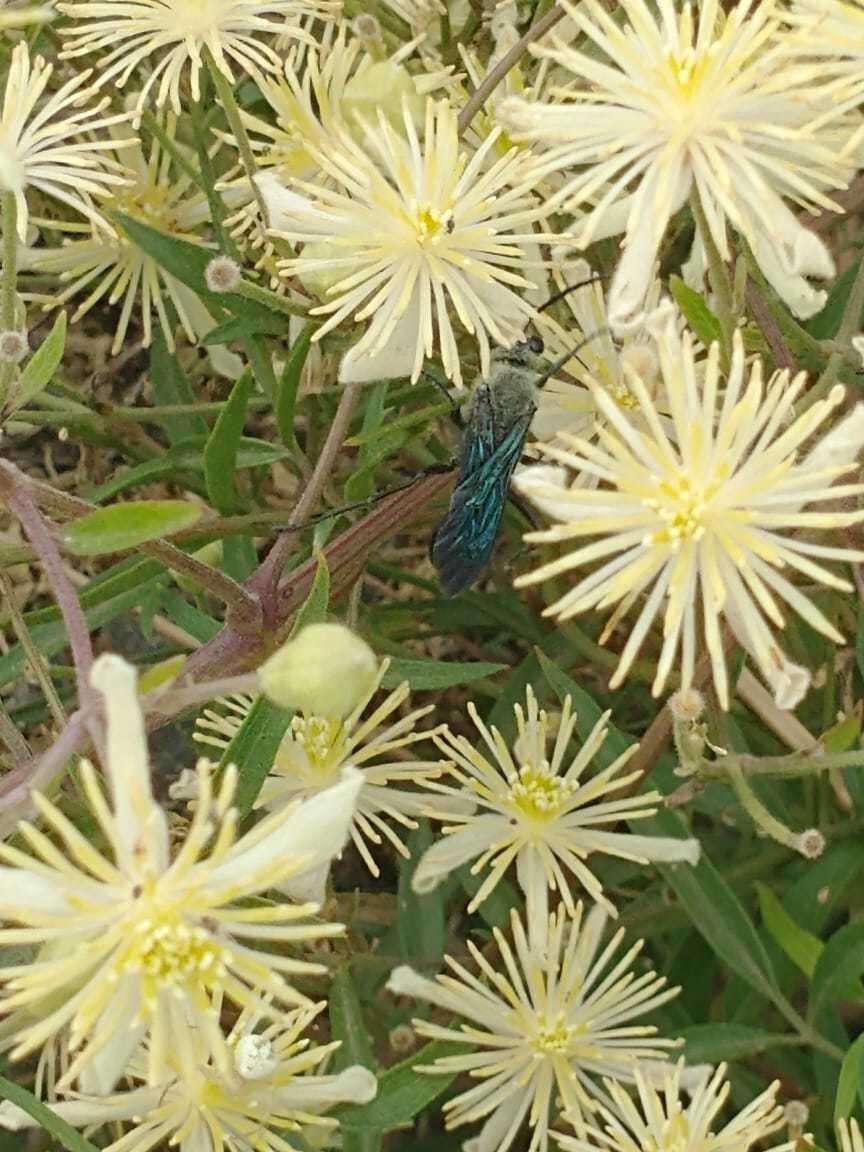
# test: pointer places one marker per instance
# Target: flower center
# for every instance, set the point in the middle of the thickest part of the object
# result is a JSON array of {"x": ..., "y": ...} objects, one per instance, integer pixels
[
  {"x": 166, "y": 952},
  {"x": 195, "y": 18},
  {"x": 674, "y": 1135},
  {"x": 429, "y": 223},
  {"x": 538, "y": 792},
  {"x": 682, "y": 508},
  {"x": 553, "y": 1037},
  {"x": 319, "y": 740}
]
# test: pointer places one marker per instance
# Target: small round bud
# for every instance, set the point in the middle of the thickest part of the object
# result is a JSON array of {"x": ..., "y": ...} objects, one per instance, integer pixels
[
  {"x": 13, "y": 346},
  {"x": 366, "y": 27},
  {"x": 63, "y": 434},
  {"x": 687, "y": 705},
  {"x": 403, "y": 1039},
  {"x": 253, "y": 1057},
  {"x": 325, "y": 671},
  {"x": 796, "y": 1114},
  {"x": 811, "y": 843},
  {"x": 222, "y": 274}
]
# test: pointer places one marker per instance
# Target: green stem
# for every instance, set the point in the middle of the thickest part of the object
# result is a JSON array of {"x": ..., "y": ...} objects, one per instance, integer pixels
[
  {"x": 9, "y": 284},
  {"x": 721, "y": 283},
  {"x": 849, "y": 325},
  {"x": 271, "y": 300},
  {"x": 791, "y": 767},
  {"x": 802, "y": 345},
  {"x": 235, "y": 121},
  {"x": 151, "y": 124},
  {"x": 208, "y": 180},
  {"x": 757, "y": 811}
]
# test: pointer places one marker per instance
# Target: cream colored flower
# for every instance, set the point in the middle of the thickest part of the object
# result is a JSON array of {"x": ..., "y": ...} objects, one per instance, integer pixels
[
  {"x": 697, "y": 526},
  {"x": 663, "y": 1123},
  {"x": 534, "y": 813},
  {"x": 543, "y": 1024},
  {"x": 141, "y": 942},
  {"x": 409, "y": 234},
  {"x": 832, "y": 32},
  {"x": 681, "y": 100},
  {"x": 172, "y": 35},
  {"x": 103, "y": 264},
  {"x": 267, "y": 1089},
  {"x": 316, "y": 749},
  {"x": 849, "y": 1133},
  {"x": 52, "y": 145}
]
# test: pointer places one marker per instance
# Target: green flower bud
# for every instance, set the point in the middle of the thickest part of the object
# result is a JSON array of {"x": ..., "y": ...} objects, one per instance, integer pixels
[{"x": 325, "y": 671}]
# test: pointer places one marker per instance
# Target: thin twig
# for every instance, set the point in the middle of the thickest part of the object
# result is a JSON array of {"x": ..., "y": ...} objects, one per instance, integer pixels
[
  {"x": 266, "y": 580},
  {"x": 494, "y": 77},
  {"x": 16, "y": 493},
  {"x": 36, "y": 775}
]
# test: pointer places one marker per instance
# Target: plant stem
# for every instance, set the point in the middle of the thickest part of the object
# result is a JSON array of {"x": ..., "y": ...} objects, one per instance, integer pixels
[
  {"x": 208, "y": 180},
  {"x": 849, "y": 325},
  {"x": 494, "y": 77},
  {"x": 792, "y": 767},
  {"x": 235, "y": 121},
  {"x": 721, "y": 283},
  {"x": 15, "y": 490},
  {"x": 271, "y": 300},
  {"x": 35, "y": 659},
  {"x": 9, "y": 285}
]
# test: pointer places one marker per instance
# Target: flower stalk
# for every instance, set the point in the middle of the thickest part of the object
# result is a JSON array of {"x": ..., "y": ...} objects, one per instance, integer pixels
[{"x": 9, "y": 282}]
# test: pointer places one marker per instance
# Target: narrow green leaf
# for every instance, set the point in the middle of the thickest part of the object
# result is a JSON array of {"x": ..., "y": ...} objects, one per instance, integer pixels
[
  {"x": 223, "y": 444},
  {"x": 695, "y": 311},
  {"x": 254, "y": 749},
  {"x": 39, "y": 370},
  {"x": 314, "y": 608},
  {"x": 712, "y": 1043},
  {"x": 236, "y": 328},
  {"x": 802, "y": 948},
  {"x": 849, "y": 1086},
  {"x": 170, "y": 386},
  {"x": 47, "y": 1118},
  {"x": 187, "y": 262},
  {"x": 420, "y": 919},
  {"x": 838, "y": 969},
  {"x": 434, "y": 674},
  {"x": 402, "y": 1093},
  {"x": 289, "y": 382},
  {"x": 349, "y": 1026},
  {"x": 120, "y": 527}
]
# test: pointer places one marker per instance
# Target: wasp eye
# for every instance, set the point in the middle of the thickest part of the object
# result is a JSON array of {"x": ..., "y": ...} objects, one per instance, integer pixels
[{"x": 535, "y": 344}]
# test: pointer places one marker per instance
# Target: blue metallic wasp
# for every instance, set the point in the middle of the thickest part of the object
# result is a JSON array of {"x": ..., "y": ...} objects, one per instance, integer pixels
[{"x": 497, "y": 420}]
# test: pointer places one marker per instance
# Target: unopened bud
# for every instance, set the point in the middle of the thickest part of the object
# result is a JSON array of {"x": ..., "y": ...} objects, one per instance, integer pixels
[
  {"x": 13, "y": 346},
  {"x": 796, "y": 1114},
  {"x": 403, "y": 1039},
  {"x": 366, "y": 27},
  {"x": 253, "y": 1057},
  {"x": 687, "y": 705},
  {"x": 325, "y": 671},
  {"x": 810, "y": 843},
  {"x": 222, "y": 274}
]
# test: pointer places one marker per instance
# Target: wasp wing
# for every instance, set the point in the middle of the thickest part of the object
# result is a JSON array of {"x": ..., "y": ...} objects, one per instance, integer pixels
[{"x": 464, "y": 539}]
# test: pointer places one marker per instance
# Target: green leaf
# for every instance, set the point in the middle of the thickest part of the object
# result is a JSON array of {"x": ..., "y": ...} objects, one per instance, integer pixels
[
  {"x": 313, "y": 610},
  {"x": 838, "y": 969},
  {"x": 347, "y": 1022},
  {"x": 237, "y": 329},
  {"x": 170, "y": 386},
  {"x": 187, "y": 459},
  {"x": 712, "y": 1043},
  {"x": 435, "y": 674},
  {"x": 120, "y": 527},
  {"x": 825, "y": 324},
  {"x": 40, "y": 368},
  {"x": 348, "y": 1025},
  {"x": 402, "y": 1093},
  {"x": 48, "y": 1119},
  {"x": 851, "y": 1083},
  {"x": 802, "y": 948},
  {"x": 222, "y": 447},
  {"x": 187, "y": 262},
  {"x": 695, "y": 311},
  {"x": 289, "y": 382},
  {"x": 421, "y": 919},
  {"x": 254, "y": 749}
]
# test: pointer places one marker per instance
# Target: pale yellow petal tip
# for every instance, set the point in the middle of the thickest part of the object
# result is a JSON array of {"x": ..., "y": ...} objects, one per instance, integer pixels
[{"x": 110, "y": 671}]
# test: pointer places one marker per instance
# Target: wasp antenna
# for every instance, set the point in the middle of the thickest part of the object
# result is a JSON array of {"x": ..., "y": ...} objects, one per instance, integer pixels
[
  {"x": 572, "y": 354},
  {"x": 594, "y": 278}
]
